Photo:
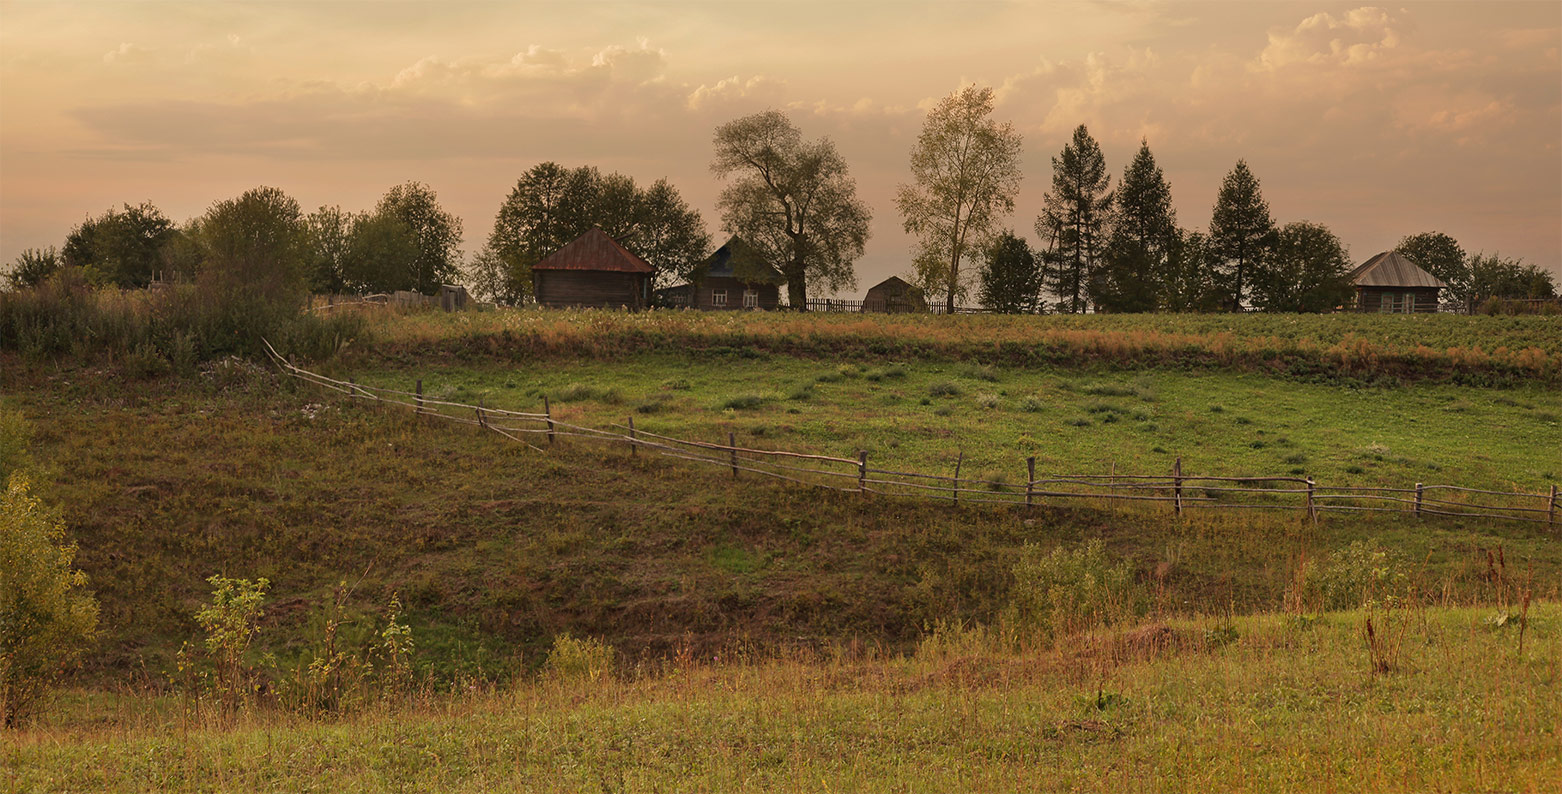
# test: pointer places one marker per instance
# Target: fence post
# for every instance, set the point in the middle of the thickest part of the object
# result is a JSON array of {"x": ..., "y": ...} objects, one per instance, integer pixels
[
  {"x": 1177, "y": 485},
  {"x": 732, "y": 447},
  {"x": 547, "y": 413},
  {"x": 1418, "y": 500},
  {"x": 1312, "y": 511},
  {"x": 352, "y": 387},
  {"x": 862, "y": 471},
  {"x": 420, "y": 398},
  {"x": 482, "y": 421},
  {"x": 1551, "y": 508},
  {"x": 1030, "y": 481},
  {"x": 958, "y": 461},
  {"x": 634, "y": 446}
]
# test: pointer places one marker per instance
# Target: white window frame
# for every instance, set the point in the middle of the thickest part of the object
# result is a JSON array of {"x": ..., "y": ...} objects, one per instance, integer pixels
[
  {"x": 750, "y": 299},
  {"x": 718, "y": 297}
]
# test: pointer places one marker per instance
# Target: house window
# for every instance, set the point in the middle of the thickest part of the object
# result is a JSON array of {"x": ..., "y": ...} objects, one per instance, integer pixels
[
  {"x": 750, "y": 299},
  {"x": 718, "y": 297},
  {"x": 1410, "y": 301},
  {"x": 1386, "y": 302}
]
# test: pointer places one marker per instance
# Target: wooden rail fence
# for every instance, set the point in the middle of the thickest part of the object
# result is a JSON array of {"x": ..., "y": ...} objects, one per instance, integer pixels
[{"x": 1181, "y": 491}]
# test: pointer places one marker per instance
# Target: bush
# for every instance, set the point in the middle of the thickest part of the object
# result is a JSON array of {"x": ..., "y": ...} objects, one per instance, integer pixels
[
  {"x": 1068, "y": 590},
  {"x": 944, "y": 389},
  {"x": 579, "y": 660},
  {"x": 1361, "y": 574},
  {"x": 47, "y": 618},
  {"x": 744, "y": 402},
  {"x": 231, "y": 622}
]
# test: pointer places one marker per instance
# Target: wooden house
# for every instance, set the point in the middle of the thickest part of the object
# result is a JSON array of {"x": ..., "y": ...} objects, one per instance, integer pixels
[
  {"x": 1391, "y": 283},
  {"x": 894, "y": 296},
  {"x": 736, "y": 276},
  {"x": 593, "y": 270}
]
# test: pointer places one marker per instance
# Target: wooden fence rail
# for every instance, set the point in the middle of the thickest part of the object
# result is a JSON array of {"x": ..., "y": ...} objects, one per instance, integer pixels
[{"x": 1179, "y": 490}]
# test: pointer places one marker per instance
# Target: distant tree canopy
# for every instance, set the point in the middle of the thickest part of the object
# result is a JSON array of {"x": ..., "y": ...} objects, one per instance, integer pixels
[
  {"x": 1010, "y": 277},
  {"x": 1443, "y": 257},
  {"x": 793, "y": 200},
  {"x": 965, "y": 171},
  {"x": 1307, "y": 271},
  {"x": 435, "y": 232},
  {"x": 1492, "y": 276},
  {"x": 1144, "y": 231},
  {"x": 32, "y": 267},
  {"x": 255, "y": 248},
  {"x": 1241, "y": 234},
  {"x": 122, "y": 248},
  {"x": 1074, "y": 224},
  {"x": 551, "y": 205}
]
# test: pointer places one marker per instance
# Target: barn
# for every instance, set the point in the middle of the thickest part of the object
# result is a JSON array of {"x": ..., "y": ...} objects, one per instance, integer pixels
[
  {"x": 736, "y": 276},
  {"x": 593, "y": 270},
  {"x": 894, "y": 296},
  {"x": 1391, "y": 283}
]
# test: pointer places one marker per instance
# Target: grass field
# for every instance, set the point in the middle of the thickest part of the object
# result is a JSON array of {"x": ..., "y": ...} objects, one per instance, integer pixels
[
  {"x": 740, "y": 610},
  {"x": 1261, "y": 704}
]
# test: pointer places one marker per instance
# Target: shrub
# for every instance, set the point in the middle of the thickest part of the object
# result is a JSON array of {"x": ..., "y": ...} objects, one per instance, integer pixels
[
  {"x": 1361, "y": 574},
  {"x": 574, "y": 660},
  {"x": 1068, "y": 590},
  {"x": 1032, "y": 405},
  {"x": 47, "y": 618},
  {"x": 987, "y": 400},
  {"x": 984, "y": 372},
  {"x": 230, "y": 621},
  {"x": 575, "y": 392},
  {"x": 944, "y": 389},
  {"x": 1110, "y": 390},
  {"x": 743, "y": 402}
]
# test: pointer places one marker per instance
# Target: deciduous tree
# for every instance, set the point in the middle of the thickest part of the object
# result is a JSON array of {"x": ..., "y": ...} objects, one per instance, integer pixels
[
  {"x": 793, "y": 200},
  {"x": 121, "y": 247},
  {"x": 1443, "y": 257},
  {"x": 438, "y": 233},
  {"x": 1073, "y": 225},
  {"x": 32, "y": 267},
  {"x": 1308, "y": 271},
  {"x": 965, "y": 170}
]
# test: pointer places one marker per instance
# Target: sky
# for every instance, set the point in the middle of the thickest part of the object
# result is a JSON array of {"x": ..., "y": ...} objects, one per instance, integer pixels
[{"x": 1378, "y": 122}]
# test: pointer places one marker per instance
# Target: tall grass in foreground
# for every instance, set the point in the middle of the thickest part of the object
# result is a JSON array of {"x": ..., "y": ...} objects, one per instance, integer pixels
[{"x": 1248, "y": 704}]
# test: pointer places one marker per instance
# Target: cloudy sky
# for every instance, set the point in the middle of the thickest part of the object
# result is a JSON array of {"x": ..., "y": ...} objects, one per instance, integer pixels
[{"x": 1376, "y": 121}]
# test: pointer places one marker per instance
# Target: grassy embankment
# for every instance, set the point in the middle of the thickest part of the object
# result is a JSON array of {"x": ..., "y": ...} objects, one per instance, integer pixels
[
  {"x": 1284, "y": 704},
  {"x": 497, "y": 549}
]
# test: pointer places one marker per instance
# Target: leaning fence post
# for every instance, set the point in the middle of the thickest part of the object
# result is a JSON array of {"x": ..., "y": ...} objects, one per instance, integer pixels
[
  {"x": 482, "y": 421},
  {"x": 862, "y": 471},
  {"x": 634, "y": 446},
  {"x": 1030, "y": 481},
  {"x": 547, "y": 414},
  {"x": 1312, "y": 511},
  {"x": 956, "y": 490},
  {"x": 352, "y": 387},
  {"x": 1418, "y": 500},
  {"x": 1177, "y": 485},
  {"x": 732, "y": 447},
  {"x": 420, "y": 398}
]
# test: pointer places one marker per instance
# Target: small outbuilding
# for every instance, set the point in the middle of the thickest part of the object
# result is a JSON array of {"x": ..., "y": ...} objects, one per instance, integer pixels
[
  {"x": 593, "y": 270},
  {"x": 1391, "y": 283},
  {"x": 736, "y": 276},
  {"x": 894, "y": 296}
]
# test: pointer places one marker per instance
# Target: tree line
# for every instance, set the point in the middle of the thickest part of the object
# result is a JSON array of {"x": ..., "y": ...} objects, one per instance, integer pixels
[{"x": 1100, "y": 247}]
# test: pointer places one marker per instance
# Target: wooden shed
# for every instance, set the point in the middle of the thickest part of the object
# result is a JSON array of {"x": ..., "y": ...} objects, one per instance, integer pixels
[
  {"x": 593, "y": 270},
  {"x": 736, "y": 276},
  {"x": 894, "y": 296},
  {"x": 1391, "y": 283}
]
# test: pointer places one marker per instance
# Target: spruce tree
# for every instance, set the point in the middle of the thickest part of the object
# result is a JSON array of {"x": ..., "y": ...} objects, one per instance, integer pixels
[
  {"x": 1010, "y": 276},
  {"x": 1073, "y": 224},
  {"x": 1241, "y": 233},
  {"x": 1143, "y": 231}
]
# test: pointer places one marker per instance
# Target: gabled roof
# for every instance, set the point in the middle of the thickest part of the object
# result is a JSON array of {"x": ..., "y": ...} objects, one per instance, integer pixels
[
  {"x": 739, "y": 260},
  {"x": 893, "y": 282},
  {"x": 1389, "y": 269},
  {"x": 594, "y": 250}
]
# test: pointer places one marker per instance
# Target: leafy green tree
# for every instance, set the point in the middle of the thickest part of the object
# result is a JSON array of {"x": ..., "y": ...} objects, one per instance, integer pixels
[
  {"x": 231, "y": 622},
  {"x": 253, "y": 279},
  {"x": 32, "y": 267},
  {"x": 1492, "y": 276},
  {"x": 1308, "y": 271},
  {"x": 1074, "y": 220},
  {"x": 329, "y": 240},
  {"x": 793, "y": 200},
  {"x": 1011, "y": 277},
  {"x": 965, "y": 170},
  {"x": 382, "y": 254},
  {"x": 1188, "y": 281},
  {"x": 47, "y": 617},
  {"x": 437, "y": 233},
  {"x": 1443, "y": 257},
  {"x": 122, "y": 247},
  {"x": 1241, "y": 233},
  {"x": 1143, "y": 233},
  {"x": 552, "y": 205}
]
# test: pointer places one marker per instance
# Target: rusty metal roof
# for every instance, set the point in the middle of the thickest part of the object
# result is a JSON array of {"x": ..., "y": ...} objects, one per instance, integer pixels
[
  {"x": 594, "y": 250},
  {"x": 1389, "y": 269}
]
